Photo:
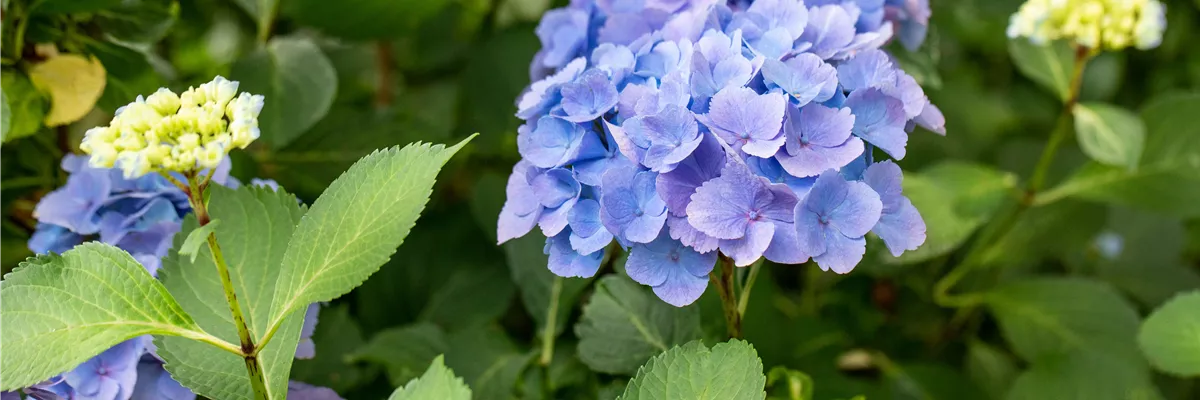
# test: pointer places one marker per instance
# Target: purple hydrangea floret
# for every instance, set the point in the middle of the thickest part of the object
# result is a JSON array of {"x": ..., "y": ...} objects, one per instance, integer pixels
[{"x": 687, "y": 130}]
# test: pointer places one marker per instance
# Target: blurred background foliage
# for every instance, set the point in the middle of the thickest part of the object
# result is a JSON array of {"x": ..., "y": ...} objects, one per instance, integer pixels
[{"x": 343, "y": 78}]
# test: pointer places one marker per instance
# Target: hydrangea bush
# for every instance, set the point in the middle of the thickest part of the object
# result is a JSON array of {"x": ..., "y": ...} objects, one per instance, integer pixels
[{"x": 683, "y": 130}]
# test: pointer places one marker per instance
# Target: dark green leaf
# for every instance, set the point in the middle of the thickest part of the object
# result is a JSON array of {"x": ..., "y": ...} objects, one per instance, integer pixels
[
  {"x": 625, "y": 324},
  {"x": 298, "y": 82},
  {"x": 469, "y": 299},
  {"x": 336, "y": 340},
  {"x": 1084, "y": 374},
  {"x": 362, "y": 19},
  {"x": 990, "y": 368},
  {"x": 403, "y": 351},
  {"x": 139, "y": 21},
  {"x": 487, "y": 360},
  {"x": 24, "y": 102},
  {"x": 527, "y": 264}
]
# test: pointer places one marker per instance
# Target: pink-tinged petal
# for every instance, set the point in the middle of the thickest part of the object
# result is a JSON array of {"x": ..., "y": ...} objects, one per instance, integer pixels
[
  {"x": 720, "y": 207},
  {"x": 746, "y": 116},
  {"x": 676, "y": 187},
  {"x": 931, "y": 118},
  {"x": 842, "y": 253}
]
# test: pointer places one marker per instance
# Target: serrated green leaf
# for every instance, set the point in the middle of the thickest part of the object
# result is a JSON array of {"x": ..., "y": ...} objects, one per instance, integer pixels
[
  {"x": 1167, "y": 180},
  {"x": 25, "y": 103},
  {"x": 1084, "y": 374},
  {"x": 298, "y": 82},
  {"x": 438, "y": 382},
  {"x": 625, "y": 324},
  {"x": 1050, "y": 65},
  {"x": 1170, "y": 337},
  {"x": 954, "y": 198},
  {"x": 58, "y": 311},
  {"x": 198, "y": 236},
  {"x": 729, "y": 371},
  {"x": 403, "y": 351},
  {"x": 1045, "y": 317},
  {"x": 1109, "y": 134},
  {"x": 356, "y": 225},
  {"x": 253, "y": 235}
]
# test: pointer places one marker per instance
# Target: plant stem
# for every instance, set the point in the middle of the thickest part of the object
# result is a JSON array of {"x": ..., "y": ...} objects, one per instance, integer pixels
[
  {"x": 722, "y": 278},
  {"x": 266, "y": 20},
  {"x": 249, "y": 351},
  {"x": 548, "y": 332},
  {"x": 744, "y": 299},
  {"x": 1004, "y": 222}
]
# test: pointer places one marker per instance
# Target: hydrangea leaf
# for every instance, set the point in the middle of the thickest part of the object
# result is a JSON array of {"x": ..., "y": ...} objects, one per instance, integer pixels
[
  {"x": 404, "y": 350},
  {"x": 357, "y": 224},
  {"x": 1170, "y": 337},
  {"x": 624, "y": 325},
  {"x": 335, "y": 340},
  {"x": 5, "y": 116},
  {"x": 298, "y": 81},
  {"x": 470, "y": 298},
  {"x": 1109, "y": 134},
  {"x": 73, "y": 82},
  {"x": 487, "y": 360},
  {"x": 438, "y": 382},
  {"x": 527, "y": 264},
  {"x": 1084, "y": 374},
  {"x": 1047, "y": 317},
  {"x": 72, "y": 6},
  {"x": 1167, "y": 180},
  {"x": 60, "y": 310},
  {"x": 972, "y": 191},
  {"x": 25, "y": 103},
  {"x": 256, "y": 225},
  {"x": 262, "y": 11},
  {"x": 139, "y": 21},
  {"x": 198, "y": 236},
  {"x": 728, "y": 371},
  {"x": 371, "y": 19},
  {"x": 990, "y": 368},
  {"x": 1049, "y": 65}
]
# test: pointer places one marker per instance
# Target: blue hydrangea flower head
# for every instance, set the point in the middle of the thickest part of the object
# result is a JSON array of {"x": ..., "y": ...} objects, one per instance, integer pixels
[{"x": 687, "y": 131}]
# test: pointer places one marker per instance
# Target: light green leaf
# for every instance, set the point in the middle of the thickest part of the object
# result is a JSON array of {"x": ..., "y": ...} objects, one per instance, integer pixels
[
  {"x": 403, "y": 350},
  {"x": 527, "y": 264},
  {"x": 5, "y": 117},
  {"x": 1045, "y": 317},
  {"x": 1170, "y": 337},
  {"x": 25, "y": 104},
  {"x": 730, "y": 371},
  {"x": 336, "y": 338},
  {"x": 363, "y": 19},
  {"x": 438, "y": 382},
  {"x": 625, "y": 324},
  {"x": 1049, "y": 65},
  {"x": 299, "y": 84},
  {"x": 356, "y": 225},
  {"x": 256, "y": 225},
  {"x": 1109, "y": 134},
  {"x": 990, "y": 368},
  {"x": 262, "y": 11},
  {"x": 1084, "y": 374},
  {"x": 58, "y": 311},
  {"x": 954, "y": 199},
  {"x": 789, "y": 384},
  {"x": 1168, "y": 178},
  {"x": 191, "y": 245}
]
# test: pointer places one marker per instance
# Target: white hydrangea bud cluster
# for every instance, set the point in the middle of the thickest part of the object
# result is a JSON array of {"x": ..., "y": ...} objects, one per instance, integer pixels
[
  {"x": 1095, "y": 24},
  {"x": 170, "y": 132}
]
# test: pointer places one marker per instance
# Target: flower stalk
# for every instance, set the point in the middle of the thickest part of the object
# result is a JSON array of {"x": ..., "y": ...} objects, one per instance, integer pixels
[
  {"x": 722, "y": 278},
  {"x": 249, "y": 352}
]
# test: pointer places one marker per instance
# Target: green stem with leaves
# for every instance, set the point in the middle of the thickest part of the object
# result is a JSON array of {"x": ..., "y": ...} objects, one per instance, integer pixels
[
  {"x": 249, "y": 353},
  {"x": 1004, "y": 222}
]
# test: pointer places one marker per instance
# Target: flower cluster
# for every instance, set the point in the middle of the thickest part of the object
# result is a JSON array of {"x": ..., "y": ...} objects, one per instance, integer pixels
[
  {"x": 141, "y": 216},
  {"x": 679, "y": 128},
  {"x": 1095, "y": 24},
  {"x": 181, "y": 133}
]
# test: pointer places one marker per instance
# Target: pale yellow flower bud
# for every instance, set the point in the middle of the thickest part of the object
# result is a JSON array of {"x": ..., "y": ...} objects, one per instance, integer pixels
[
  {"x": 133, "y": 164},
  {"x": 210, "y": 155},
  {"x": 164, "y": 101}
]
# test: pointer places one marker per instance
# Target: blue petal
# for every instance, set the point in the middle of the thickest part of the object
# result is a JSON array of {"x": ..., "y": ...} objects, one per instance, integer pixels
[
  {"x": 830, "y": 29},
  {"x": 589, "y": 96},
  {"x": 677, "y": 273},
  {"x": 588, "y": 234},
  {"x": 879, "y": 119},
  {"x": 566, "y": 262},
  {"x": 842, "y": 253},
  {"x": 805, "y": 77}
]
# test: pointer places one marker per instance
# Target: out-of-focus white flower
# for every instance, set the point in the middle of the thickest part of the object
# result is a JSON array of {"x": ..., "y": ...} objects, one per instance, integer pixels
[{"x": 1095, "y": 24}]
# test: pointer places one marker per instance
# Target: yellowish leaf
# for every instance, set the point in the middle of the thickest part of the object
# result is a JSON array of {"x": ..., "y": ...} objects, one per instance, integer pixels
[{"x": 74, "y": 84}]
